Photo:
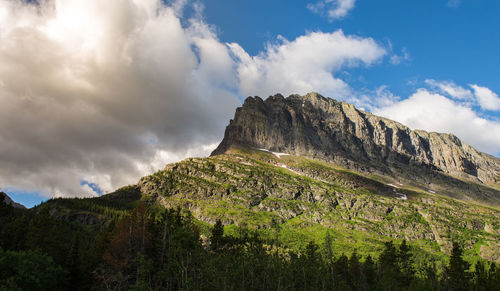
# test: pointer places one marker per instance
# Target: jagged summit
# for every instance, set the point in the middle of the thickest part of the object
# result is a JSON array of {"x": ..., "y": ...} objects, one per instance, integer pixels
[{"x": 323, "y": 128}]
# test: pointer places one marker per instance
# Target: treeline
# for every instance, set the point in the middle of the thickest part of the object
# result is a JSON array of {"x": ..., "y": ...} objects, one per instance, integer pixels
[{"x": 162, "y": 249}]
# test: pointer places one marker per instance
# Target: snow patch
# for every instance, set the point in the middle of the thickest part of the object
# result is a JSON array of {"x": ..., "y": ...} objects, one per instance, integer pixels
[
  {"x": 392, "y": 185},
  {"x": 430, "y": 191},
  {"x": 401, "y": 196},
  {"x": 274, "y": 153},
  {"x": 284, "y": 166}
]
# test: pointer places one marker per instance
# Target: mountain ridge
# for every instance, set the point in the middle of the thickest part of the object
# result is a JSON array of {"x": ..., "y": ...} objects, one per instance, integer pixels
[{"x": 334, "y": 131}]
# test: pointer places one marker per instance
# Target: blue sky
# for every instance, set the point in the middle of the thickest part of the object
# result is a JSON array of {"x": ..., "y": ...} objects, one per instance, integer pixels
[
  {"x": 86, "y": 85},
  {"x": 445, "y": 42}
]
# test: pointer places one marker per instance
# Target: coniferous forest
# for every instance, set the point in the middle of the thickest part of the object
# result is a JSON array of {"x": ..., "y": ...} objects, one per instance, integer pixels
[{"x": 149, "y": 248}]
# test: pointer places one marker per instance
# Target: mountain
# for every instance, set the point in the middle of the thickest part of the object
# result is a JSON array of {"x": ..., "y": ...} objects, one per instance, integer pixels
[
  {"x": 295, "y": 185},
  {"x": 322, "y": 128},
  {"x": 303, "y": 165},
  {"x": 298, "y": 167},
  {"x": 7, "y": 200}
]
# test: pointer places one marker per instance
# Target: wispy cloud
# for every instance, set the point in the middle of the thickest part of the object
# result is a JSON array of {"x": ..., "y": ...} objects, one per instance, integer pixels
[
  {"x": 451, "y": 89},
  {"x": 454, "y": 3},
  {"x": 483, "y": 97},
  {"x": 487, "y": 99},
  {"x": 396, "y": 59},
  {"x": 333, "y": 9}
]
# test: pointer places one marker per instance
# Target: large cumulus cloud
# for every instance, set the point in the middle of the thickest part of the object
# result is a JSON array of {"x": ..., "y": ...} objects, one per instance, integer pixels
[{"x": 105, "y": 91}]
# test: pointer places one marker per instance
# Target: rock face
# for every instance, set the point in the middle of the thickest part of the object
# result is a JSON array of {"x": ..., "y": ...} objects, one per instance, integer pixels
[
  {"x": 322, "y": 128},
  {"x": 7, "y": 200}
]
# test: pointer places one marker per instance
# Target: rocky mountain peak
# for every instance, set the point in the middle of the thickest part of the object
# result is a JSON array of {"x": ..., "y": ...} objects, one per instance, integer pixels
[
  {"x": 323, "y": 128},
  {"x": 7, "y": 200}
]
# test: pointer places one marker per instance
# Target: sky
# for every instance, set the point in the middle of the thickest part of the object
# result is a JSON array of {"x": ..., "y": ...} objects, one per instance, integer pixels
[{"x": 95, "y": 94}]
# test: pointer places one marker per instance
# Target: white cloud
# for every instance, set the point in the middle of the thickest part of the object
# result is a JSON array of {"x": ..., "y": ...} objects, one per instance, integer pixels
[
  {"x": 454, "y": 3},
  {"x": 487, "y": 99},
  {"x": 482, "y": 96},
  {"x": 105, "y": 92},
  {"x": 396, "y": 59},
  {"x": 305, "y": 64},
  {"x": 371, "y": 100},
  {"x": 333, "y": 9},
  {"x": 451, "y": 89},
  {"x": 434, "y": 112}
]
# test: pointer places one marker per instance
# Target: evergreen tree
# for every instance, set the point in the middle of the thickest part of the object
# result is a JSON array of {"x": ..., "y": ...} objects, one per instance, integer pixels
[
  {"x": 30, "y": 270},
  {"x": 405, "y": 262},
  {"x": 354, "y": 271},
  {"x": 480, "y": 276},
  {"x": 73, "y": 262},
  {"x": 457, "y": 272},
  {"x": 328, "y": 258},
  {"x": 493, "y": 277},
  {"x": 388, "y": 268},
  {"x": 312, "y": 266},
  {"x": 217, "y": 237},
  {"x": 341, "y": 268},
  {"x": 369, "y": 273}
]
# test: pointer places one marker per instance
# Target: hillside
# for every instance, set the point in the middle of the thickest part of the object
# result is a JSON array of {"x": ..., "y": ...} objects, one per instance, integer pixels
[{"x": 299, "y": 199}]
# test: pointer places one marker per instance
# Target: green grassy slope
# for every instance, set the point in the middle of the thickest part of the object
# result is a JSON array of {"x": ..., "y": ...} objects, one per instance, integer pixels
[{"x": 296, "y": 200}]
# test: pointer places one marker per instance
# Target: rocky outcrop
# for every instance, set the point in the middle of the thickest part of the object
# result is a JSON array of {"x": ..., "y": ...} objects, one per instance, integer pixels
[
  {"x": 323, "y": 128},
  {"x": 7, "y": 200}
]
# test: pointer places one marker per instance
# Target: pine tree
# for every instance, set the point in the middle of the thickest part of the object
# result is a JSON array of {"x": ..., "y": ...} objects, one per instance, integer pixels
[
  {"x": 341, "y": 268},
  {"x": 311, "y": 268},
  {"x": 328, "y": 257},
  {"x": 73, "y": 261},
  {"x": 480, "y": 276},
  {"x": 388, "y": 268},
  {"x": 217, "y": 237},
  {"x": 457, "y": 275},
  {"x": 354, "y": 271},
  {"x": 493, "y": 277},
  {"x": 405, "y": 262},
  {"x": 369, "y": 273}
]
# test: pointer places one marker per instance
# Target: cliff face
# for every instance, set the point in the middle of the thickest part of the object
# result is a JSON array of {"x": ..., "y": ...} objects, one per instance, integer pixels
[{"x": 319, "y": 127}]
